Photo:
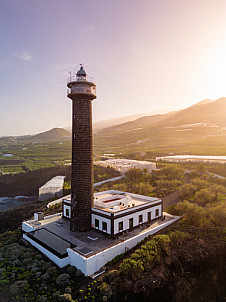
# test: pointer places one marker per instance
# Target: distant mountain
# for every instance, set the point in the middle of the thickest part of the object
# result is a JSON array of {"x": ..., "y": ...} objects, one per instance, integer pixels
[
  {"x": 98, "y": 126},
  {"x": 202, "y": 120},
  {"x": 55, "y": 133},
  {"x": 209, "y": 112},
  {"x": 203, "y": 102},
  {"x": 140, "y": 122},
  {"x": 206, "y": 111}
]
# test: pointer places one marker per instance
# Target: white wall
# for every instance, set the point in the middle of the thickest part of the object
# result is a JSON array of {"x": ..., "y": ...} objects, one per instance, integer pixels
[
  {"x": 27, "y": 227},
  {"x": 101, "y": 219},
  {"x": 135, "y": 217},
  {"x": 65, "y": 207},
  {"x": 126, "y": 218},
  {"x": 93, "y": 263},
  {"x": 60, "y": 262}
]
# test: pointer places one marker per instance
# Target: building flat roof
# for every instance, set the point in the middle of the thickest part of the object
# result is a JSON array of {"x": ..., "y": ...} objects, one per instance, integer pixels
[
  {"x": 193, "y": 158},
  {"x": 135, "y": 200},
  {"x": 119, "y": 162},
  {"x": 56, "y": 181},
  {"x": 93, "y": 240}
]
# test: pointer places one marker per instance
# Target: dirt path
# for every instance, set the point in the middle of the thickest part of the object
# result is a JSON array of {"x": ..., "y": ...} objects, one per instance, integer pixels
[{"x": 171, "y": 199}]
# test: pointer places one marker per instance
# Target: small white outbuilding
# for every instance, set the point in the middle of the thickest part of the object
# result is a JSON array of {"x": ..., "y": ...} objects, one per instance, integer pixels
[
  {"x": 52, "y": 189},
  {"x": 123, "y": 165}
]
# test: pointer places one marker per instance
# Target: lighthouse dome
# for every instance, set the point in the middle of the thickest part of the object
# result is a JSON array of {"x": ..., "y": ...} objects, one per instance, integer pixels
[{"x": 81, "y": 72}]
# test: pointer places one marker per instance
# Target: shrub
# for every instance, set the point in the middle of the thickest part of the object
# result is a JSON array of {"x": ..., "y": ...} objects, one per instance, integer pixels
[
  {"x": 62, "y": 280},
  {"x": 163, "y": 242},
  {"x": 178, "y": 238},
  {"x": 19, "y": 287},
  {"x": 111, "y": 276},
  {"x": 105, "y": 290},
  {"x": 204, "y": 196},
  {"x": 187, "y": 190},
  {"x": 131, "y": 268}
]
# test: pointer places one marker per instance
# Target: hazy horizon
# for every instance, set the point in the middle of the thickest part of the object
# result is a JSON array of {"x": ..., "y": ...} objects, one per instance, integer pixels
[{"x": 144, "y": 55}]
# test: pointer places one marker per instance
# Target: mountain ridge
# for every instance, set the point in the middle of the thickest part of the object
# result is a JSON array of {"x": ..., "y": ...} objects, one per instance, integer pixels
[{"x": 55, "y": 133}]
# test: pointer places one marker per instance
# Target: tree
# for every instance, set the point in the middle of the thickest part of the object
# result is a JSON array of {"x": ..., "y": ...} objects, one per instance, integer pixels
[
  {"x": 131, "y": 268},
  {"x": 187, "y": 191},
  {"x": 204, "y": 196},
  {"x": 134, "y": 175},
  {"x": 172, "y": 172}
]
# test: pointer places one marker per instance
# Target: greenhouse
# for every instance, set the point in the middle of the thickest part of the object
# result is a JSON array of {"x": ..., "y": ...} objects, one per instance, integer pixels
[{"x": 52, "y": 189}]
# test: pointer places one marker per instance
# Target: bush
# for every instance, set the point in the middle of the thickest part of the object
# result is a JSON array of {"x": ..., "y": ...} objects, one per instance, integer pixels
[
  {"x": 204, "y": 196},
  {"x": 19, "y": 287},
  {"x": 131, "y": 268},
  {"x": 187, "y": 190},
  {"x": 163, "y": 241},
  {"x": 111, "y": 276},
  {"x": 63, "y": 280},
  {"x": 178, "y": 238},
  {"x": 105, "y": 290}
]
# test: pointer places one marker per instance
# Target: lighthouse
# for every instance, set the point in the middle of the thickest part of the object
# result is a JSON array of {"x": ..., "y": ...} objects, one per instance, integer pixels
[{"x": 81, "y": 90}]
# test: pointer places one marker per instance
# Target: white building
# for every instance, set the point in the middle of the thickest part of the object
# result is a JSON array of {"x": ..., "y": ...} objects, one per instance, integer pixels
[
  {"x": 123, "y": 165},
  {"x": 52, "y": 189},
  {"x": 119, "y": 221},
  {"x": 116, "y": 212},
  {"x": 193, "y": 158}
]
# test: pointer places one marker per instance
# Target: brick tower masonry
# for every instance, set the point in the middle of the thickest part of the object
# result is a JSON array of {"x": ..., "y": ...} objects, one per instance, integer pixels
[{"x": 81, "y": 90}]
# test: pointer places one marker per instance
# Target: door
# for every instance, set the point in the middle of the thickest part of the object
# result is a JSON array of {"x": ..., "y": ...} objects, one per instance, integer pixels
[{"x": 131, "y": 223}]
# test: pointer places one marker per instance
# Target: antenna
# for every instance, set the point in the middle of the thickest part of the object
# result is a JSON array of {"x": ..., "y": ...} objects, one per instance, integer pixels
[{"x": 69, "y": 73}]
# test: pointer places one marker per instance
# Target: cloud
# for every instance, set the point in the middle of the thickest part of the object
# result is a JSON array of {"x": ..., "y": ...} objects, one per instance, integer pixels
[
  {"x": 24, "y": 55},
  {"x": 90, "y": 28},
  {"x": 4, "y": 64},
  {"x": 60, "y": 67}
]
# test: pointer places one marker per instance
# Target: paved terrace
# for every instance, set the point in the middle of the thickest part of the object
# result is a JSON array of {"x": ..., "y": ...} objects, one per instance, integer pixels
[{"x": 93, "y": 240}]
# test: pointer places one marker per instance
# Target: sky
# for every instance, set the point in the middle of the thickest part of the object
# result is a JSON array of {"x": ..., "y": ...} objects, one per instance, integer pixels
[{"x": 145, "y": 55}]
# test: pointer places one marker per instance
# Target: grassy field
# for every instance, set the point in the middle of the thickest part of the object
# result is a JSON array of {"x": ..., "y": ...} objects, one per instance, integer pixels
[
  {"x": 27, "y": 155},
  {"x": 30, "y": 156}
]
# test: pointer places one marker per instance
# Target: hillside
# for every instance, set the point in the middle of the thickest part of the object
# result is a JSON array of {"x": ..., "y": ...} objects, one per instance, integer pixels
[
  {"x": 203, "y": 123},
  {"x": 140, "y": 122},
  {"x": 203, "y": 102},
  {"x": 98, "y": 126},
  {"x": 213, "y": 112},
  {"x": 55, "y": 133},
  {"x": 205, "y": 111}
]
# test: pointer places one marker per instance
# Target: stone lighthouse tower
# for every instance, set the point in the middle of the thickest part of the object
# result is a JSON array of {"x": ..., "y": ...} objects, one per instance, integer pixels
[{"x": 81, "y": 90}]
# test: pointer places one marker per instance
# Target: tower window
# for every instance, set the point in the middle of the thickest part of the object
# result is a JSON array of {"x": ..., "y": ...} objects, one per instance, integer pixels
[
  {"x": 73, "y": 135},
  {"x": 140, "y": 218},
  {"x": 73, "y": 116},
  {"x": 97, "y": 223},
  {"x": 104, "y": 226}
]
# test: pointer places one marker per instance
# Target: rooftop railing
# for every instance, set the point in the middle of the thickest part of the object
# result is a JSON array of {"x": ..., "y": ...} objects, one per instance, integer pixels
[
  {"x": 83, "y": 90},
  {"x": 80, "y": 79}
]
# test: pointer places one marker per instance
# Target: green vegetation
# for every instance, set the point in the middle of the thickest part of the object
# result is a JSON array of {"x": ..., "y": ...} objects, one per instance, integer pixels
[
  {"x": 29, "y": 156},
  {"x": 141, "y": 182},
  {"x": 27, "y": 276},
  {"x": 182, "y": 264},
  {"x": 28, "y": 183},
  {"x": 186, "y": 263}
]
